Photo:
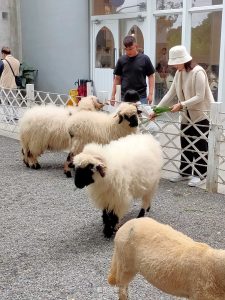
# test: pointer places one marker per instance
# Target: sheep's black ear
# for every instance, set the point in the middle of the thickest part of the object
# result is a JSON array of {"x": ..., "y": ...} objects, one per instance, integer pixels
[
  {"x": 100, "y": 169},
  {"x": 120, "y": 118}
]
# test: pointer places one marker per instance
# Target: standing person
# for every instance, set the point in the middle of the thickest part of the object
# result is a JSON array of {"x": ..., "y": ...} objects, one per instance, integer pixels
[
  {"x": 191, "y": 87},
  {"x": 164, "y": 59},
  {"x": 131, "y": 71},
  {"x": 9, "y": 66},
  {"x": 7, "y": 78}
]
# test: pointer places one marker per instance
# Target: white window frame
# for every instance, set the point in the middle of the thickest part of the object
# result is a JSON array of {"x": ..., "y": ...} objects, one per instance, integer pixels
[{"x": 186, "y": 12}]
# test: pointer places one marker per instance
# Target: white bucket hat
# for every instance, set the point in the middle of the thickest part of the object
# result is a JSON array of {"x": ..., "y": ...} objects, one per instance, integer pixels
[{"x": 178, "y": 55}]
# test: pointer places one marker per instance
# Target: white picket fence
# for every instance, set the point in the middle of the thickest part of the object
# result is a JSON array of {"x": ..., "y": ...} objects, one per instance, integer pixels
[{"x": 166, "y": 129}]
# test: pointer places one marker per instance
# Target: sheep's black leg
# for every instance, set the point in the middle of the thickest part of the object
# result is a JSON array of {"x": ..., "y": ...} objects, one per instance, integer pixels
[
  {"x": 68, "y": 164},
  {"x": 141, "y": 213},
  {"x": 109, "y": 220},
  {"x": 36, "y": 166},
  {"x": 104, "y": 216}
]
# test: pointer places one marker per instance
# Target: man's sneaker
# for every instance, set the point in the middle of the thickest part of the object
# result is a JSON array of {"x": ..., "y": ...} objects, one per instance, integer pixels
[
  {"x": 196, "y": 181},
  {"x": 180, "y": 178}
]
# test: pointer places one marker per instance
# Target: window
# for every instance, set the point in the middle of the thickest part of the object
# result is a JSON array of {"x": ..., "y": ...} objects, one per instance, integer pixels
[
  {"x": 168, "y": 30},
  {"x": 166, "y": 4},
  {"x": 105, "y": 7},
  {"x": 206, "y": 2},
  {"x": 104, "y": 49},
  {"x": 205, "y": 44},
  {"x": 136, "y": 32}
]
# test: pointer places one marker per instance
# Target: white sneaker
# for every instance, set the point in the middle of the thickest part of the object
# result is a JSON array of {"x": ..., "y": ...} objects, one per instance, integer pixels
[
  {"x": 196, "y": 181},
  {"x": 180, "y": 178}
]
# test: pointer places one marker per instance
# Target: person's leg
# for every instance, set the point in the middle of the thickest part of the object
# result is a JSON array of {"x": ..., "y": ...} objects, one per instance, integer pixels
[
  {"x": 186, "y": 150},
  {"x": 201, "y": 156}
]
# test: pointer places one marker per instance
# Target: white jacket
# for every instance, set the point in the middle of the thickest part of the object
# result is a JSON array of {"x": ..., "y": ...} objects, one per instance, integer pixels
[
  {"x": 193, "y": 92},
  {"x": 7, "y": 79}
]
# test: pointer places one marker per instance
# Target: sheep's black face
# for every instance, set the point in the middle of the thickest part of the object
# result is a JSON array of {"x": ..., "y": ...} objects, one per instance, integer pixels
[
  {"x": 83, "y": 176},
  {"x": 133, "y": 120}
]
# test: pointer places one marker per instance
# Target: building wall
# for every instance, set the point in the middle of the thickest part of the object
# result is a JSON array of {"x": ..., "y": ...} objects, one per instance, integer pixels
[
  {"x": 55, "y": 41},
  {"x": 10, "y": 27}
]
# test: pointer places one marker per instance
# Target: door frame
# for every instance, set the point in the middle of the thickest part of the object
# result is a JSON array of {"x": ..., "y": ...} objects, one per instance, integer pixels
[{"x": 112, "y": 22}]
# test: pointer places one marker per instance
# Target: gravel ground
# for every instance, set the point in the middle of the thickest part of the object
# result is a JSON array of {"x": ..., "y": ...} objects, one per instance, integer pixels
[{"x": 51, "y": 241}]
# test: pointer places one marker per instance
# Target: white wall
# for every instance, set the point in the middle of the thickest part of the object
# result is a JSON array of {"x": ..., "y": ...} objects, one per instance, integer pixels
[
  {"x": 9, "y": 28},
  {"x": 55, "y": 40}
]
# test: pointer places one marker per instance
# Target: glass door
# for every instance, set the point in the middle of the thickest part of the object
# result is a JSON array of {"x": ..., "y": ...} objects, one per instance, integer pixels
[{"x": 105, "y": 42}]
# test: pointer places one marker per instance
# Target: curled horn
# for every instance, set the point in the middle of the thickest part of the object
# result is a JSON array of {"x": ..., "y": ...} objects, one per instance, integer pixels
[
  {"x": 120, "y": 117},
  {"x": 100, "y": 169}
]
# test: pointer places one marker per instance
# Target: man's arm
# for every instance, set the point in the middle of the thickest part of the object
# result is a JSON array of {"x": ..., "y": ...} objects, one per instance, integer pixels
[
  {"x": 116, "y": 81},
  {"x": 151, "y": 88}
]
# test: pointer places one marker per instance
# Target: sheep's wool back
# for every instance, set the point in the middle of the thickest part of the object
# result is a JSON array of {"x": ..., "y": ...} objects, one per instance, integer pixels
[
  {"x": 133, "y": 167},
  {"x": 44, "y": 127},
  {"x": 98, "y": 127}
]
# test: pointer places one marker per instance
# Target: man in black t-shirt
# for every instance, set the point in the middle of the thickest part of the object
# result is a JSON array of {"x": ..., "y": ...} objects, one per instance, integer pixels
[{"x": 131, "y": 71}]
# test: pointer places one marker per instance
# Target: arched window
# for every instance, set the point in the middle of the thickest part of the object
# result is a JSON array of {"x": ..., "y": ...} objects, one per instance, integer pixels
[
  {"x": 137, "y": 33},
  {"x": 104, "y": 51}
]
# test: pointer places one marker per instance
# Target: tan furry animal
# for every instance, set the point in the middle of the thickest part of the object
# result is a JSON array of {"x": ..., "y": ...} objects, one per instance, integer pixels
[
  {"x": 89, "y": 103},
  {"x": 100, "y": 127},
  {"x": 168, "y": 259},
  {"x": 115, "y": 174},
  {"x": 45, "y": 128}
]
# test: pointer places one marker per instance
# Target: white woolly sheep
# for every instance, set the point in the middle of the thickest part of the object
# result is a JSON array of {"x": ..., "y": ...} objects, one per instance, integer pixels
[
  {"x": 45, "y": 128},
  {"x": 100, "y": 127},
  {"x": 89, "y": 103},
  {"x": 119, "y": 172},
  {"x": 168, "y": 259}
]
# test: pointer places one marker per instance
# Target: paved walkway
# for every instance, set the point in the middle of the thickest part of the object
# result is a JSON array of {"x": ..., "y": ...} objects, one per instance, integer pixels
[{"x": 51, "y": 242}]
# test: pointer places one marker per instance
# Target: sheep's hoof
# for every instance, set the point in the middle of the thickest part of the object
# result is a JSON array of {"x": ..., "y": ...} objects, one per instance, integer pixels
[
  {"x": 108, "y": 235},
  {"x": 26, "y": 163},
  {"x": 148, "y": 209},
  {"x": 141, "y": 213},
  {"x": 108, "y": 232},
  {"x": 36, "y": 166},
  {"x": 68, "y": 174}
]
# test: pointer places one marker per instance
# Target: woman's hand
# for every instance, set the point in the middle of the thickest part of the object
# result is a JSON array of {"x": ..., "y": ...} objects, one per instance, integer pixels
[
  {"x": 176, "y": 107},
  {"x": 152, "y": 116}
]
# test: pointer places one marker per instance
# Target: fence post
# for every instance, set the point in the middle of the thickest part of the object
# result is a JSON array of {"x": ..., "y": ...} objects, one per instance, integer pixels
[
  {"x": 89, "y": 88},
  {"x": 214, "y": 147},
  {"x": 118, "y": 93},
  {"x": 30, "y": 94}
]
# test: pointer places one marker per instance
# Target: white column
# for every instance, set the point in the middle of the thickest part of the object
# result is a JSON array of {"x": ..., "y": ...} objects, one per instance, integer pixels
[
  {"x": 221, "y": 87},
  {"x": 186, "y": 25},
  {"x": 118, "y": 93},
  {"x": 214, "y": 147}
]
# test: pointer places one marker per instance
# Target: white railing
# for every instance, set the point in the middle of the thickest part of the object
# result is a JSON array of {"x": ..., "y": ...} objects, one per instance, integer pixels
[{"x": 167, "y": 128}]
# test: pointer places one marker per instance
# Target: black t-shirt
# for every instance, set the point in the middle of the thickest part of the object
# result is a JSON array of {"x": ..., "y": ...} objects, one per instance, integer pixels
[{"x": 133, "y": 72}]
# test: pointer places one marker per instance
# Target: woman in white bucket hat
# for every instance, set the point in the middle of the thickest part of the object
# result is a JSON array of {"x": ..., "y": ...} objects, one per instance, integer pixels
[{"x": 191, "y": 87}]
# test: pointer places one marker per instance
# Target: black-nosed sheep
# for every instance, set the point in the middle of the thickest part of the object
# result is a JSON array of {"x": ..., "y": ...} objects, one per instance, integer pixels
[
  {"x": 117, "y": 173},
  {"x": 45, "y": 128},
  {"x": 168, "y": 259},
  {"x": 101, "y": 128}
]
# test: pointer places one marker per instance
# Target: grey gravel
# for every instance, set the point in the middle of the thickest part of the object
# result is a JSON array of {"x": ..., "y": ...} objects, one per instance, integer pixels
[{"x": 51, "y": 241}]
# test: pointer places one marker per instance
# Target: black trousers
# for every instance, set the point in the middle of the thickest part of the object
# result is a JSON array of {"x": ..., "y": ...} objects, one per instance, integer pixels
[{"x": 190, "y": 154}]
